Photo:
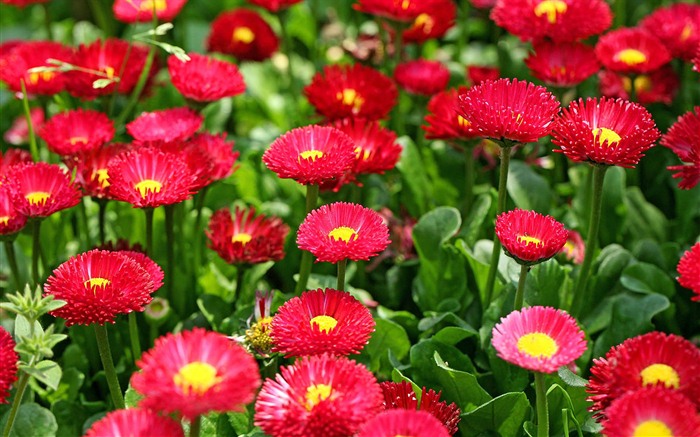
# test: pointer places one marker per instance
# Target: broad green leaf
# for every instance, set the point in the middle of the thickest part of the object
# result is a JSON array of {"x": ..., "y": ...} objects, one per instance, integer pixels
[
  {"x": 69, "y": 417},
  {"x": 528, "y": 190},
  {"x": 69, "y": 387},
  {"x": 46, "y": 371},
  {"x": 417, "y": 191},
  {"x": 387, "y": 336},
  {"x": 434, "y": 229},
  {"x": 647, "y": 278},
  {"x": 452, "y": 335},
  {"x": 32, "y": 420},
  {"x": 397, "y": 376},
  {"x": 614, "y": 206},
  {"x": 458, "y": 386},
  {"x": 570, "y": 378},
  {"x": 571, "y": 399},
  {"x": 644, "y": 219},
  {"x": 479, "y": 215},
  {"x": 214, "y": 309},
  {"x": 422, "y": 357},
  {"x": 23, "y": 327},
  {"x": 503, "y": 415},
  {"x": 544, "y": 284}
]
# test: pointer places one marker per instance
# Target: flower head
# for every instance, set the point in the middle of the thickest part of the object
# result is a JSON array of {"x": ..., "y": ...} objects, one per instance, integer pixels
[
  {"x": 18, "y": 133},
  {"x": 321, "y": 321},
  {"x": 165, "y": 126},
  {"x": 605, "y": 131},
  {"x": 92, "y": 169},
  {"x": 134, "y": 422},
  {"x": 244, "y": 34},
  {"x": 574, "y": 249},
  {"x": 653, "y": 412},
  {"x": 653, "y": 359},
  {"x": 8, "y": 364},
  {"x": 402, "y": 422},
  {"x": 529, "y": 237},
  {"x": 41, "y": 189},
  {"x": 341, "y": 231},
  {"x": 509, "y": 110},
  {"x": 17, "y": 66},
  {"x": 351, "y": 91},
  {"x": 443, "y": 120},
  {"x": 194, "y": 373},
  {"x": 311, "y": 155},
  {"x": 318, "y": 396},
  {"x": 558, "y": 20},
  {"x": 274, "y": 5},
  {"x": 11, "y": 221},
  {"x": 77, "y": 131},
  {"x": 218, "y": 151},
  {"x": 689, "y": 270},
  {"x": 422, "y": 76},
  {"x": 631, "y": 51},
  {"x": 12, "y": 157},
  {"x": 141, "y": 11},
  {"x": 246, "y": 238},
  {"x": 401, "y": 395},
  {"x": 97, "y": 286},
  {"x": 562, "y": 64},
  {"x": 657, "y": 86},
  {"x": 683, "y": 139},
  {"x": 480, "y": 73},
  {"x": 432, "y": 24},
  {"x": 678, "y": 28},
  {"x": 205, "y": 78},
  {"x": 540, "y": 339}
]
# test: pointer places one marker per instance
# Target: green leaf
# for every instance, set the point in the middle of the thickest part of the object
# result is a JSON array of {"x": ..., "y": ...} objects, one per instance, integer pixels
[
  {"x": 416, "y": 194},
  {"x": 644, "y": 219},
  {"x": 132, "y": 397},
  {"x": 613, "y": 205},
  {"x": 528, "y": 190},
  {"x": 503, "y": 415},
  {"x": 434, "y": 229},
  {"x": 69, "y": 417},
  {"x": 214, "y": 309},
  {"x": 570, "y": 378},
  {"x": 23, "y": 328},
  {"x": 459, "y": 387},
  {"x": 69, "y": 387},
  {"x": 423, "y": 361},
  {"x": 480, "y": 214},
  {"x": 387, "y": 336},
  {"x": 569, "y": 400},
  {"x": 647, "y": 278},
  {"x": 452, "y": 335},
  {"x": 544, "y": 284},
  {"x": 46, "y": 371},
  {"x": 32, "y": 420}
]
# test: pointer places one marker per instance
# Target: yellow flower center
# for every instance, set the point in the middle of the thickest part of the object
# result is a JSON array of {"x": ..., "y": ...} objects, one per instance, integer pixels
[
  {"x": 343, "y": 233},
  {"x": 147, "y": 5},
  {"x": 258, "y": 335},
  {"x": 537, "y": 345},
  {"x": 425, "y": 21},
  {"x": 351, "y": 97},
  {"x": 569, "y": 248},
  {"x": 317, "y": 393},
  {"x": 37, "y": 197},
  {"x": 242, "y": 238},
  {"x": 325, "y": 323},
  {"x": 148, "y": 186},
  {"x": 362, "y": 154},
  {"x": 641, "y": 83},
  {"x": 5, "y": 220},
  {"x": 109, "y": 71},
  {"x": 652, "y": 428},
  {"x": 463, "y": 122},
  {"x": 196, "y": 378},
  {"x": 76, "y": 140},
  {"x": 528, "y": 240},
  {"x": 686, "y": 33},
  {"x": 43, "y": 76},
  {"x": 660, "y": 373},
  {"x": 604, "y": 134},
  {"x": 313, "y": 155},
  {"x": 243, "y": 34},
  {"x": 631, "y": 57},
  {"x": 550, "y": 8},
  {"x": 102, "y": 177},
  {"x": 94, "y": 283}
]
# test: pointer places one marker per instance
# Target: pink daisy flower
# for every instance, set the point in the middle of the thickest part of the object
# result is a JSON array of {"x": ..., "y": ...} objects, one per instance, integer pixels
[
  {"x": 678, "y": 28},
  {"x": 18, "y": 133},
  {"x": 683, "y": 139},
  {"x": 401, "y": 395},
  {"x": 402, "y": 422},
  {"x": 16, "y": 67},
  {"x": 11, "y": 221},
  {"x": 443, "y": 120},
  {"x": 205, "y": 78},
  {"x": 135, "y": 423},
  {"x": 77, "y": 131},
  {"x": 244, "y": 34},
  {"x": 92, "y": 169},
  {"x": 165, "y": 126},
  {"x": 529, "y": 237},
  {"x": 689, "y": 270},
  {"x": 562, "y": 64},
  {"x": 422, "y": 77},
  {"x": 432, "y": 24},
  {"x": 41, "y": 189},
  {"x": 574, "y": 249},
  {"x": 219, "y": 151},
  {"x": 141, "y": 11},
  {"x": 13, "y": 156},
  {"x": 631, "y": 51}
]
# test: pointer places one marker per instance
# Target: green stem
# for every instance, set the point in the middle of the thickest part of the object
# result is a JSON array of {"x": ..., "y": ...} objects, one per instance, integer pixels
[
  {"x": 19, "y": 394},
  {"x": 134, "y": 336},
  {"x": 36, "y": 250},
  {"x": 591, "y": 239},
  {"x": 108, "y": 364},
  {"x": 520, "y": 293},
  {"x": 502, "y": 195},
  {"x": 195, "y": 425},
  {"x": 342, "y": 264},
  {"x": 30, "y": 126},
  {"x": 620, "y": 13},
  {"x": 469, "y": 178},
  {"x": 136, "y": 93},
  {"x": 240, "y": 280},
  {"x": 100, "y": 17},
  {"x": 149, "y": 231},
  {"x": 197, "y": 231},
  {"x": 47, "y": 22},
  {"x": 178, "y": 299},
  {"x": 463, "y": 38},
  {"x": 288, "y": 48},
  {"x": 398, "y": 42},
  {"x": 633, "y": 88},
  {"x": 306, "y": 257},
  {"x": 83, "y": 220},
  {"x": 101, "y": 214},
  {"x": 12, "y": 260},
  {"x": 542, "y": 412}
]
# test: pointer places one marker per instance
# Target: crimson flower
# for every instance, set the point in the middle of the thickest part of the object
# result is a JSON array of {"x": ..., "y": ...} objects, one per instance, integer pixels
[
  {"x": 351, "y": 91},
  {"x": 13, "y": 156},
  {"x": 321, "y": 321},
  {"x": 318, "y": 396},
  {"x": 41, "y": 189},
  {"x": 405, "y": 10},
  {"x": 243, "y": 34},
  {"x": 194, "y": 373},
  {"x": 443, "y": 120},
  {"x": 683, "y": 139},
  {"x": 165, "y": 126},
  {"x": 631, "y": 51},
  {"x": 218, "y": 151},
  {"x": 16, "y": 66},
  {"x": 605, "y": 131},
  {"x": 422, "y": 76},
  {"x": 689, "y": 270},
  {"x": 79, "y": 130},
  {"x": 8, "y": 364},
  {"x": 401, "y": 395},
  {"x": 529, "y": 237},
  {"x": 480, "y": 73},
  {"x": 432, "y": 24},
  {"x": 341, "y": 231},
  {"x": 205, "y": 78},
  {"x": 657, "y": 86},
  {"x": 92, "y": 169},
  {"x": 18, "y": 133},
  {"x": 678, "y": 28},
  {"x": 134, "y": 422},
  {"x": 11, "y": 221},
  {"x": 403, "y": 423},
  {"x": 574, "y": 249},
  {"x": 246, "y": 238},
  {"x": 562, "y": 64},
  {"x": 274, "y": 5},
  {"x": 507, "y": 110},
  {"x": 141, "y": 11}
]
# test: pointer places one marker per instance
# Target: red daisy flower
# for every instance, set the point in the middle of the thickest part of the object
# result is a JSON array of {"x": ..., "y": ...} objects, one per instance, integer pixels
[
  {"x": 109, "y": 57},
  {"x": 17, "y": 65},
  {"x": 311, "y": 155},
  {"x": 243, "y": 34},
  {"x": 631, "y": 51},
  {"x": 403, "y": 423},
  {"x": 432, "y": 24},
  {"x": 443, "y": 120},
  {"x": 401, "y": 395},
  {"x": 41, "y": 189},
  {"x": 23, "y": 3},
  {"x": 658, "y": 86},
  {"x": 155, "y": 273},
  {"x": 653, "y": 412},
  {"x": 194, "y": 373},
  {"x": 558, "y": 20},
  {"x": 540, "y": 339},
  {"x": 199, "y": 163},
  {"x": 404, "y": 10},
  {"x": 529, "y": 237},
  {"x": 605, "y": 131},
  {"x": 18, "y": 133},
  {"x": 683, "y": 139},
  {"x": 321, "y": 321},
  {"x": 165, "y": 126},
  {"x": 135, "y": 423},
  {"x": 318, "y": 396},
  {"x": 514, "y": 110},
  {"x": 13, "y": 157},
  {"x": 246, "y": 238},
  {"x": 97, "y": 286},
  {"x": 341, "y": 231},
  {"x": 141, "y": 11},
  {"x": 479, "y": 73},
  {"x": 205, "y": 78},
  {"x": 147, "y": 178},
  {"x": 91, "y": 174},
  {"x": 75, "y": 131},
  {"x": 562, "y": 64},
  {"x": 274, "y": 5},
  {"x": 11, "y": 221},
  {"x": 219, "y": 151},
  {"x": 688, "y": 270},
  {"x": 422, "y": 77},
  {"x": 376, "y": 149},
  {"x": 351, "y": 91},
  {"x": 8, "y": 364},
  {"x": 678, "y": 28},
  {"x": 574, "y": 249},
  {"x": 653, "y": 359}
]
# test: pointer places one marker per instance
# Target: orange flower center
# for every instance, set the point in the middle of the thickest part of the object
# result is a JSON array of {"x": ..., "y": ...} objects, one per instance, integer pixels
[
  {"x": 362, "y": 154},
  {"x": 686, "y": 33},
  {"x": 651, "y": 375},
  {"x": 343, "y": 233},
  {"x": 537, "y": 345},
  {"x": 528, "y": 240},
  {"x": 242, "y": 238},
  {"x": 43, "y": 76},
  {"x": 148, "y": 5},
  {"x": 317, "y": 393},
  {"x": 109, "y": 71},
  {"x": 196, "y": 378},
  {"x": 148, "y": 186},
  {"x": 94, "y": 283},
  {"x": 351, "y": 97},
  {"x": 5, "y": 220},
  {"x": 102, "y": 177},
  {"x": 463, "y": 122},
  {"x": 559, "y": 70},
  {"x": 641, "y": 83},
  {"x": 631, "y": 57},
  {"x": 569, "y": 248},
  {"x": 425, "y": 21},
  {"x": 312, "y": 155},
  {"x": 243, "y": 34},
  {"x": 550, "y": 8},
  {"x": 652, "y": 428},
  {"x": 76, "y": 140},
  {"x": 325, "y": 323},
  {"x": 37, "y": 197},
  {"x": 606, "y": 136}
]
